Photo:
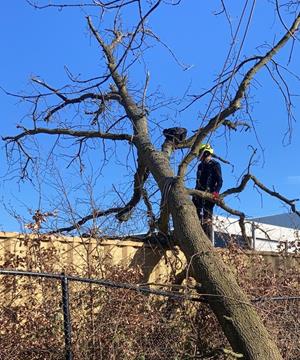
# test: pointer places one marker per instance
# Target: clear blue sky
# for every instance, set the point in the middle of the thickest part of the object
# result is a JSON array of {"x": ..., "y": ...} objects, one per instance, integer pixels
[{"x": 41, "y": 43}]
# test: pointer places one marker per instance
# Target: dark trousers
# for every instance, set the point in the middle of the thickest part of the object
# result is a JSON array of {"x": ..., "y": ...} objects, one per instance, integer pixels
[{"x": 205, "y": 213}]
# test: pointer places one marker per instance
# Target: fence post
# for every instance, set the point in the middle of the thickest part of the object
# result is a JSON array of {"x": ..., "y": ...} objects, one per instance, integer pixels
[
  {"x": 253, "y": 236},
  {"x": 67, "y": 318}
]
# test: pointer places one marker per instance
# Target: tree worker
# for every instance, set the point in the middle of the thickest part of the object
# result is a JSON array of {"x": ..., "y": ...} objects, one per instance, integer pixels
[{"x": 209, "y": 178}]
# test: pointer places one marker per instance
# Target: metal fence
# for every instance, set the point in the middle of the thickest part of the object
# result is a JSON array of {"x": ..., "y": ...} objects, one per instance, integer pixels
[
  {"x": 56, "y": 316},
  {"x": 61, "y": 290}
]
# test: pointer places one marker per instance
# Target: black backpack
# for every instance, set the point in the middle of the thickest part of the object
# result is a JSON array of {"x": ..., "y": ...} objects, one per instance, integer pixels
[{"x": 175, "y": 134}]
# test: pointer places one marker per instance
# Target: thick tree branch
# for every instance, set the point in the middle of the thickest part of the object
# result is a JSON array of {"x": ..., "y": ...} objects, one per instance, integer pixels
[
  {"x": 220, "y": 202},
  {"x": 135, "y": 114},
  {"x": 235, "y": 104}
]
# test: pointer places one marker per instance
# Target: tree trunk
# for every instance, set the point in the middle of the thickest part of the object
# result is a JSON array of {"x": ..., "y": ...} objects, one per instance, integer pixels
[
  {"x": 238, "y": 318},
  {"x": 236, "y": 315}
]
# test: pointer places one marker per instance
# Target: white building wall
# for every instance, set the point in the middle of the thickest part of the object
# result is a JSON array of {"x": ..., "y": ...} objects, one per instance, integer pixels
[{"x": 264, "y": 237}]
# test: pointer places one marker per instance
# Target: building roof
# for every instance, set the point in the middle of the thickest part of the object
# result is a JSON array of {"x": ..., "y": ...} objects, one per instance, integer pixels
[{"x": 284, "y": 220}]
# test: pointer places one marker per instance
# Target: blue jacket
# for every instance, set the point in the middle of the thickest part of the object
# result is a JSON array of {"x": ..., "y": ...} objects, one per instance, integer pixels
[{"x": 209, "y": 176}]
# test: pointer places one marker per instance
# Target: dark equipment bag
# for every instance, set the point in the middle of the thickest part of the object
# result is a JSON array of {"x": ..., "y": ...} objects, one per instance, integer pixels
[{"x": 175, "y": 134}]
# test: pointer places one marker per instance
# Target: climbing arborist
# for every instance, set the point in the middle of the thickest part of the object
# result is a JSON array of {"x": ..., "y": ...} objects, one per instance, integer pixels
[{"x": 209, "y": 178}]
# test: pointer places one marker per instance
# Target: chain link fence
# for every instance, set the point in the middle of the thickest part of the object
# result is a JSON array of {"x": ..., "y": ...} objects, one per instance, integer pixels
[{"x": 55, "y": 316}]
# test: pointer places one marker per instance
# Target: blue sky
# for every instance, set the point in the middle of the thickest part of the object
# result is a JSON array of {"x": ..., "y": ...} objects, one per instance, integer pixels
[{"x": 41, "y": 43}]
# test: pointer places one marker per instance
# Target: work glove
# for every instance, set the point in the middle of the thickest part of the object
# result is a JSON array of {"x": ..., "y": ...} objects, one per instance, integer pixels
[{"x": 215, "y": 195}]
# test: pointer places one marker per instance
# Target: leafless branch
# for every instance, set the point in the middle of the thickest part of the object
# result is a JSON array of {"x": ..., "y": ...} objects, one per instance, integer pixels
[
  {"x": 55, "y": 91},
  {"x": 69, "y": 132},
  {"x": 87, "y": 96},
  {"x": 180, "y": 63},
  {"x": 150, "y": 213},
  {"x": 285, "y": 92},
  {"x": 94, "y": 215},
  {"x": 105, "y": 5},
  {"x": 132, "y": 110},
  {"x": 247, "y": 178},
  {"x": 28, "y": 158},
  {"x": 121, "y": 212},
  {"x": 108, "y": 49},
  {"x": 140, "y": 177},
  {"x": 281, "y": 19},
  {"x": 221, "y": 82}
]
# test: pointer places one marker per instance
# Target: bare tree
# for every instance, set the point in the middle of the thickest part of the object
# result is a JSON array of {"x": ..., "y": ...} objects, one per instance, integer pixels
[{"x": 108, "y": 109}]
